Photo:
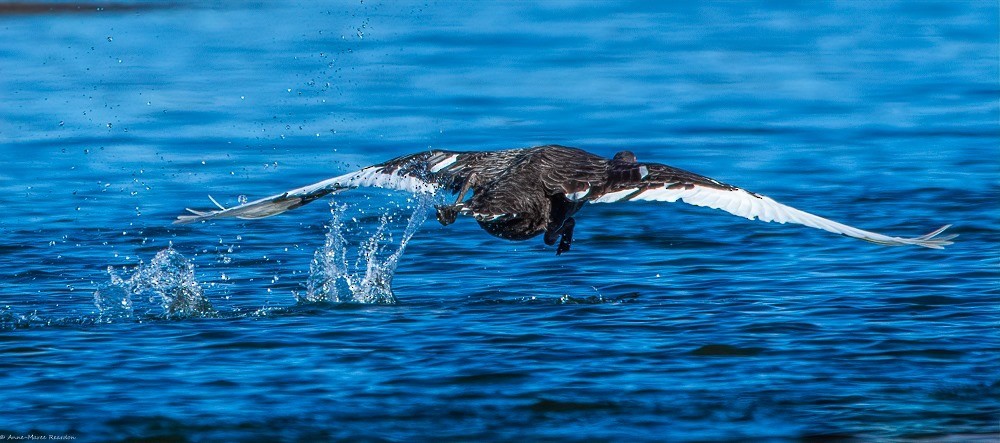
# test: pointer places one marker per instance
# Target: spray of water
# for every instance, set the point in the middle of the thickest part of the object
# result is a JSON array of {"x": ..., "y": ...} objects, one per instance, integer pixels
[
  {"x": 167, "y": 282},
  {"x": 166, "y": 286},
  {"x": 332, "y": 276}
]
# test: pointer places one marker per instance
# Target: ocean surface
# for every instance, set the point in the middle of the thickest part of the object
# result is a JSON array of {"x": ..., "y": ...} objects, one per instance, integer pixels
[{"x": 360, "y": 318}]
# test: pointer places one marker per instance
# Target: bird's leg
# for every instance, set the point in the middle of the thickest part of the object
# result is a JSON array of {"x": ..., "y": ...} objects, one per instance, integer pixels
[
  {"x": 563, "y": 233},
  {"x": 446, "y": 214},
  {"x": 551, "y": 235},
  {"x": 567, "y": 236}
]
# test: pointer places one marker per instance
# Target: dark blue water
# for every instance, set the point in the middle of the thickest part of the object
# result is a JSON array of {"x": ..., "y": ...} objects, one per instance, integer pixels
[{"x": 665, "y": 321}]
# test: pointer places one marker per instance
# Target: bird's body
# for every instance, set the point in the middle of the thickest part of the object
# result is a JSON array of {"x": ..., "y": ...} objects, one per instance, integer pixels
[{"x": 521, "y": 193}]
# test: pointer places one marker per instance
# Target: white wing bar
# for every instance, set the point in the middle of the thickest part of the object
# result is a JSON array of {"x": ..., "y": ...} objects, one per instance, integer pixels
[{"x": 748, "y": 205}]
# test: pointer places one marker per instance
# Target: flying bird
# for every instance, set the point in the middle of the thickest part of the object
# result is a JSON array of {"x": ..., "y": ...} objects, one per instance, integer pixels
[{"x": 518, "y": 194}]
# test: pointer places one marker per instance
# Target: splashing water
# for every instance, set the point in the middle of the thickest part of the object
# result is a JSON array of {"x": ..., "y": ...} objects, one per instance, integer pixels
[
  {"x": 168, "y": 281},
  {"x": 166, "y": 287},
  {"x": 369, "y": 279}
]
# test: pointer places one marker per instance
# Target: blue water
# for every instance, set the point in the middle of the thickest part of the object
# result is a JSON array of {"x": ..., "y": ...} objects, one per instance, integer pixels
[{"x": 665, "y": 321}]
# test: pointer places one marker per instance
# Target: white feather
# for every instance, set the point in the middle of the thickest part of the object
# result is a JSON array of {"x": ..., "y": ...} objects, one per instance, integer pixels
[
  {"x": 578, "y": 195},
  {"x": 276, "y": 204},
  {"x": 444, "y": 163},
  {"x": 614, "y": 196},
  {"x": 752, "y": 206}
]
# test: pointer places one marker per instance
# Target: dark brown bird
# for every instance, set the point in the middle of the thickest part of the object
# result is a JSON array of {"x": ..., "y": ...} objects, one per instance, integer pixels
[{"x": 518, "y": 194}]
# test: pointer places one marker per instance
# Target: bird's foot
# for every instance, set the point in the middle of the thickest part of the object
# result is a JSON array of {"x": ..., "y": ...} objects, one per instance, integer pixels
[
  {"x": 563, "y": 245},
  {"x": 567, "y": 236},
  {"x": 446, "y": 214}
]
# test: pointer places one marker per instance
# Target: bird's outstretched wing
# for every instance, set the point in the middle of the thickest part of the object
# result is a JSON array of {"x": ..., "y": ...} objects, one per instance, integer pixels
[
  {"x": 425, "y": 172},
  {"x": 656, "y": 182}
]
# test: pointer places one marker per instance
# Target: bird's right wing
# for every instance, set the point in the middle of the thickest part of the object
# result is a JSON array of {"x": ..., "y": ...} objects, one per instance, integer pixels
[{"x": 421, "y": 173}]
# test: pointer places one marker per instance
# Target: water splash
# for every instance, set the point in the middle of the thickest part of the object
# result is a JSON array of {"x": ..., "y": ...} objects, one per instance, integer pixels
[
  {"x": 10, "y": 320},
  {"x": 167, "y": 281},
  {"x": 332, "y": 278},
  {"x": 114, "y": 300}
]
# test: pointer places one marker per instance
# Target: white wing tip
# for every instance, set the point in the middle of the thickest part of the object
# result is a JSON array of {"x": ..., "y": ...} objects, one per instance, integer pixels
[
  {"x": 216, "y": 202},
  {"x": 929, "y": 240},
  {"x": 196, "y": 215}
]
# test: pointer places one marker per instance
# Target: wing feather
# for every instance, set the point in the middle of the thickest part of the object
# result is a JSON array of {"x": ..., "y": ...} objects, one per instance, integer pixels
[
  {"x": 665, "y": 183},
  {"x": 422, "y": 173}
]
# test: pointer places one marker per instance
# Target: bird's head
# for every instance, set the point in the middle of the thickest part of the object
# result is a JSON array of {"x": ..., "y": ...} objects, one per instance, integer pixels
[{"x": 624, "y": 156}]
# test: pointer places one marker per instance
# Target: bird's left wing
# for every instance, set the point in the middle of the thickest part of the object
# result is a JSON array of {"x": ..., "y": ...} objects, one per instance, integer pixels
[
  {"x": 657, "y": 182},
  {"x": 421, "y": 173}
]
